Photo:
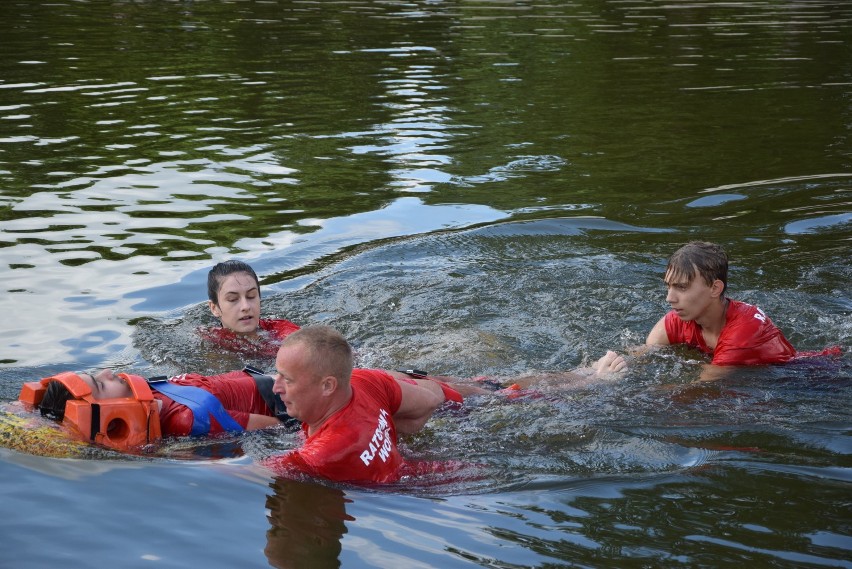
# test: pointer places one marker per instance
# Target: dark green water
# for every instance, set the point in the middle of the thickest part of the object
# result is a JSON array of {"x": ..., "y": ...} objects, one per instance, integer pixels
[{"x": 472, "y": 187}]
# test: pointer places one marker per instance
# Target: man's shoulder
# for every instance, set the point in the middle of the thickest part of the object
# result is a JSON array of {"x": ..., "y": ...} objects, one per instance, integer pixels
[
  {"x": 233, "y": 374},
  {"x": 743, "y": 314},
  {"x": 375, "y": 385},
  {"x": 370, "y": 389},
  {"x": 361, "y": 375},
  {"x": 750, "y": 338},
  {"x": 370, "y": 372}
]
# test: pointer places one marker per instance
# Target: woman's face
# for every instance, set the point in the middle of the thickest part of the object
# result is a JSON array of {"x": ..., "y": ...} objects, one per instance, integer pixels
[
  {"x": 106, "y": 384},
  {"x": 238, "y": 305}
]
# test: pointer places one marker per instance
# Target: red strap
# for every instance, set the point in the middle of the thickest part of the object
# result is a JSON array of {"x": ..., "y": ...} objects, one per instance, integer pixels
[{"x": 450, "y": 394}]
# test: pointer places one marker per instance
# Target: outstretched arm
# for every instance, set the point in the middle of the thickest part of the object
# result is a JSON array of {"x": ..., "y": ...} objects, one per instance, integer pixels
[
  {"x": 610, "y": 366},
  {"x": 710, "y": 372},
  {"x": 257, "y": 421},
  {"x": 418, "y": 404},
  {"x": 431, "y": 382}
]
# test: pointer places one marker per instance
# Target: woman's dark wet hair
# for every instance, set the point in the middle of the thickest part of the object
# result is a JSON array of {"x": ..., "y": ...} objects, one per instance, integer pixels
[
  {"x": 221, "y": 270},
  {"x": 53, "y": 403}
]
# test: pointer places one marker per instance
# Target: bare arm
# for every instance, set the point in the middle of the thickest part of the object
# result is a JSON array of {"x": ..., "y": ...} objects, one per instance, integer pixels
[
  {"x": 610, "y": 366},
  {"x": 658, "y": 336},
  {"x": 257, "y": 421},
  {"x": 430, "y": 382},
  {"x": 710, "y": 372},
  {"x": 418, "y": 404}
]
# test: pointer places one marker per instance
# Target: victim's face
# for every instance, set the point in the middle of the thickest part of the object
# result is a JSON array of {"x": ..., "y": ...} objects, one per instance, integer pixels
[
  {"x": 106, "y": 384},
  {"x": 238, "y": 304}
]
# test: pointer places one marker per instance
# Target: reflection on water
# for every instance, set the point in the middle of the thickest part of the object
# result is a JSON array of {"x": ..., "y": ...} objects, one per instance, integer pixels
[
  {"x": 473, "y": 188},
  {"x": 307, "y": 523}
]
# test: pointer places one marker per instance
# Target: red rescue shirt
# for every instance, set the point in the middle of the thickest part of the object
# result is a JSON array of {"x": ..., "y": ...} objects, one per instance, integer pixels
[
  {"x": 359, "y": 442},
  {"x": 236, "y": 390},
  {"x": 748, "y": 337},
  {"x": 270, "y": 334}
]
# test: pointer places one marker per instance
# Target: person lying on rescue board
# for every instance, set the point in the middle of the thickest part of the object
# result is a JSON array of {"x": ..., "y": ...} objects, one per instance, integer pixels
[{"x": 125, "y": 411}]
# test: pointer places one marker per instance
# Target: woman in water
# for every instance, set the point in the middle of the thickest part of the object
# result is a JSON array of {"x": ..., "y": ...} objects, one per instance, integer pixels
[{"x": 233, "y": 290}]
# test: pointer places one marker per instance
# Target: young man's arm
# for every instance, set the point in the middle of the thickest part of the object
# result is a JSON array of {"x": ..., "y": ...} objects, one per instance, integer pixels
[
  {"x": 710, "y": 372},
  {"x": 658, "y": 336}
]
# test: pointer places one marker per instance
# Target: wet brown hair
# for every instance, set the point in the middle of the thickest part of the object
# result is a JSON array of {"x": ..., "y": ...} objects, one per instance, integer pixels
[
  {"x": 221, "y": 270},
  {"x": 709, "y": 259}
]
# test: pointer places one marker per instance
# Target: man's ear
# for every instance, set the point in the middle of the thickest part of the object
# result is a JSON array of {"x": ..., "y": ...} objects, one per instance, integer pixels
[
  {"x": 329, "y": 385},
  {"x": 717, "y": 288},
  {"x": 214, "y": 309}
]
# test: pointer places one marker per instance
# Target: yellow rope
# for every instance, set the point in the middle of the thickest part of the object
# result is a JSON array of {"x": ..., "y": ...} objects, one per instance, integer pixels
[{"x": 32, "y": 436}]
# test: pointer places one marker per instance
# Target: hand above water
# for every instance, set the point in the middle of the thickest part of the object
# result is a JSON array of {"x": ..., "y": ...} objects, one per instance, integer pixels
[{"x": 611, "y": 363}]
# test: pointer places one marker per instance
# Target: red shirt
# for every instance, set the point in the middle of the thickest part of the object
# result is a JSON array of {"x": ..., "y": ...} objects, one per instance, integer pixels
[
  {"x": 748, "y": 337},
  {"x": 236, "y": 390},
  {"x": 359, "y": 442},
  {"x": 271, "y": 332}
]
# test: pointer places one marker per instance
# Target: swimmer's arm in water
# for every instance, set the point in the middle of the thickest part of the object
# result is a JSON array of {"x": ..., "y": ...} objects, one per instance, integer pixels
[
  {"x": 257, "y": 421},
  {"x": 643, "y": 349},
  {"x": 610, "y": 363},
  {"x": 710, "y": 372},
  {"x": 430, "y": 382},
  {"x": 416, "y": 406},
  {"x": 609, "y": 367}
]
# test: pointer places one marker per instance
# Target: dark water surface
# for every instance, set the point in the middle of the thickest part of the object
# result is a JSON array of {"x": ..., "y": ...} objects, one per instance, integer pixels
[{"x": 475, "y": 188}]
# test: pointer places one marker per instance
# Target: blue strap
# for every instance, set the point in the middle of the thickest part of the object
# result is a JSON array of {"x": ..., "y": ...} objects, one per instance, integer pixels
[{"x": 202, "y": 403}]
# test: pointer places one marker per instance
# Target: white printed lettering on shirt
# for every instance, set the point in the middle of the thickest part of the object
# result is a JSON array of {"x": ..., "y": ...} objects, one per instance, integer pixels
[{"x": 380, "y": 443}]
